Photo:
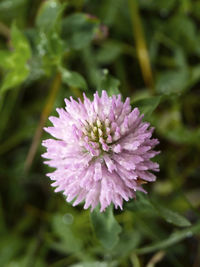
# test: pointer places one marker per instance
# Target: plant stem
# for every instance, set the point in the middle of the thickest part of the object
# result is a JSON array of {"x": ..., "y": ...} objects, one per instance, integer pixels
[
  {"x": 141, "y": 47},
  {"x": 45, "y": 113}
]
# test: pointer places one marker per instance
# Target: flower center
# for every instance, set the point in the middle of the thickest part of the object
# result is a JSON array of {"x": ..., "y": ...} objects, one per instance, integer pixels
[{"x": 97, "y": 137}]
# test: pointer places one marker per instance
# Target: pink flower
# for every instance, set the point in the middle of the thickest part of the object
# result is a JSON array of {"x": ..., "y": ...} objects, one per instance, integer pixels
[{"x": 102, "y": 151}]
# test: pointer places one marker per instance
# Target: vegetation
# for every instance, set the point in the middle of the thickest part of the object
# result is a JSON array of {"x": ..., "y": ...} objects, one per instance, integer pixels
[{"x": 147, "y": 50}]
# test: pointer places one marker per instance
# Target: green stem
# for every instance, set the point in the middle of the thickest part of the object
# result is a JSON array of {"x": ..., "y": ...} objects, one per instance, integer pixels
[
  {"x": 141, "y": 47},
  {"x": 45, "y": 113}
]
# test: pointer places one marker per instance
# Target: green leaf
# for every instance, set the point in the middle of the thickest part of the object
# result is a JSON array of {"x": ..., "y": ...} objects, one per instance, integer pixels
[
  {"x": 109, "y": 52},
  {"x": 15, "y": 62},
  {"x": 108, "y": 83},
  {"x": 147, "y": 105},
  {"x": 185, "y": 30},
  {"x": 182, "y": 135},
  {"x": 14, "y": 78},
  {"x": 169, "y": 124},
  {"x": 110, "y": 11},
  {"x": 49, "y": 14},
  {"x": 129, "y": 240},
  {"x": 73, "y": 79},
  {"x": 144, "y": 204},
  {"x": 50, "y": 46},
  {"x": 141, "y": 204},
  {"x": 13, "y": 10},
  {"x": 69, "y": 241},
  {"x": 172, "y": 82},
  {"x": 51, "y": 49},
  {"x": 20, "y": 43},
  {"x": 106, "y": 227},
  {"x": 6, "y": 61},
  {"x": 78, "y": 30},
  {"x": 174, "y": 238},
  {"x": 171, "y": 216}
]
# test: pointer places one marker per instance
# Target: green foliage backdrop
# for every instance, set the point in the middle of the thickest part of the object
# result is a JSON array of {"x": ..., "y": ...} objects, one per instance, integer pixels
[{"x": 147, "y": 50}]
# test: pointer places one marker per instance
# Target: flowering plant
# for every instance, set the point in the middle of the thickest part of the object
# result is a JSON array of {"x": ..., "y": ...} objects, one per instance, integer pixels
[{"x": 102, "y": 151}]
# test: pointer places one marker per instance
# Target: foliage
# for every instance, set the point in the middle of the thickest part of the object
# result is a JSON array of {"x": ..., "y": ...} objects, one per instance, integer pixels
[{"x": 53, "y": 49}]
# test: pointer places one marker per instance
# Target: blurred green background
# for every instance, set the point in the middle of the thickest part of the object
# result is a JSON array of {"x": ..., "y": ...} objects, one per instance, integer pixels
[{"x": 148, "y": 50}]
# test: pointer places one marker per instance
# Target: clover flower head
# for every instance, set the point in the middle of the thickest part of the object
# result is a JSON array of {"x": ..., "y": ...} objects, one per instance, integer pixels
[{"x": 102, "y": 151}]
